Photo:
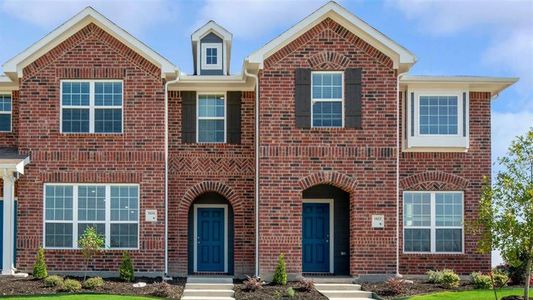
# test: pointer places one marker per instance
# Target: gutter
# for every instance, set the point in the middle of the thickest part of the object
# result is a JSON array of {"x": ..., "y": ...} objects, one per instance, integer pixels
[
  {"x": 256, "y": 170},
  {"x": 165, "y": 275},
  {"x": 398, "y": 151}
]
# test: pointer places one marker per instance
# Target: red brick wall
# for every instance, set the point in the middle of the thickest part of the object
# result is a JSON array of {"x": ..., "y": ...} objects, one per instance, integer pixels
[
  {"x": 227, "y": 169},
  {"x": 359, "y": 161},
  {"x": 456, "y": 172},
  {"x": 134, "y": 156}
]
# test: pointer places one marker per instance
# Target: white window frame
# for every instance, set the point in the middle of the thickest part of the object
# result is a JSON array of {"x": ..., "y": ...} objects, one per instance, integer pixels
[
  {"x": 218, "y": 65},
  {"x": 91, "y": 106},
  {"x": 433, "y": 226},
  {"x": 107, "y": 221},
  {"x": 444, "y": 141},
  {"x": 8, "y": 113},
  {"x": 198, "y": 118},
  {"x": 313, "y": 100}
]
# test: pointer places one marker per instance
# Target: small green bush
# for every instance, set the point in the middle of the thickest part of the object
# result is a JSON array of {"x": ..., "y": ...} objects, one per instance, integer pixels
[
  {"x": 53, "y": 281},
  {"x": 480, "y": 281},
  {"x": 500, "y": 278},
  {"x": 71, "y": 285},
  {"x": 126, "y": 268},
  {"x": 434, "y": 276},
  {"x": 280, "y": 274},
  {"x": 450, "y": 280},
  {"x": 39, "y": 268},
  {"x": 93, "y": 283},
  {"x": 291, "y": 292}
]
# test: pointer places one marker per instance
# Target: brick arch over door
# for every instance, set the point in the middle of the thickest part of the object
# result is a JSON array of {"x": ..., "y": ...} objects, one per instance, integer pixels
[
  {"x": 211, "y": 186},
  {"x": 333, "y": 178},
  {"x": 329, "y": 60},
  {"x": 434, "y": 181}
]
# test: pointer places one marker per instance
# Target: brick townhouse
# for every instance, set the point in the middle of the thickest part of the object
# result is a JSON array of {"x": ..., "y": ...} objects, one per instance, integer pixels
[{"x": 323, "y": 148}]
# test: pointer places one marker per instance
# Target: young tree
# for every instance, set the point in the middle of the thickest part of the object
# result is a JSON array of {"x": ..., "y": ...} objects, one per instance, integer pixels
[
  {"x": 90, "y": 243},
  {"x": 506, "y": 212}
]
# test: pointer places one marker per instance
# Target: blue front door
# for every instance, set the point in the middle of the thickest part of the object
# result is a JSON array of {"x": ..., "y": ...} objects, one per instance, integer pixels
[
  {"x": 316, "y": 237},
  {"x": 210, "y": 240}
]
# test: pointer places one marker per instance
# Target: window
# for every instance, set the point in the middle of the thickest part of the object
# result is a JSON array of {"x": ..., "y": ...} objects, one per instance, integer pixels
[
  {"x": 327, "y": 99},
  {"x": 437, "y": 119},
  {"x": 91, "y": 106},
  {"x": 5, "y": 113},
  {"x": 211, "y": 56},
  {"x": 112, "y": 209},
  {"x": 433, "y": 222},
  {"x": 211, "y": 123}
]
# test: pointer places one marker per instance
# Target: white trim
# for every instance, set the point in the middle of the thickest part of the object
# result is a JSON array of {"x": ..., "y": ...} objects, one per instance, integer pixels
[
  {"x": 107, "y": 220},
  {"x": 15, "y": 65},
  {"x": 331, "y": 229},
  {"x": 92, "y": 107},
  {"x": 433, "y": 227},
  {"x": 198, "y": 118},
  {"x": 313, "y": 100},
  {"x": 195, "y": 236},
  {"x": 494, "y": 85},
  {"x": 209, "y": 27},
  {"x": 204, "y": 64},
  {"x": 399, "y": 55},
  {"x": 8, "y": 112}
]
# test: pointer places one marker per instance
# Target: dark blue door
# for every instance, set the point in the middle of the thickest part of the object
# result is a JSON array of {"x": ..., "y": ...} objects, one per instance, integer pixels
[
  {"x": 315, "y": 244},
  {"x": 210, "y": 240},
  {"x": 2, "y": 233}
]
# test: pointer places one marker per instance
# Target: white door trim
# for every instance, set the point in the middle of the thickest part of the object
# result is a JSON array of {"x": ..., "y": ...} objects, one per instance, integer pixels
[
  {"x": 331, "y": 228},
  {"x": 195, "y": 236}
]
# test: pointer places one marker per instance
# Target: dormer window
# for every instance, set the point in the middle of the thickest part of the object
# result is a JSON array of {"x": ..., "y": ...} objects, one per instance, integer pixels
[{"x": 211, "y": 56}]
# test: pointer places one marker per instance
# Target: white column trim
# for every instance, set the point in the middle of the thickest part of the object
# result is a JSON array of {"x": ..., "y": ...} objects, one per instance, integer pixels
[{"x": 8, "y": 265}]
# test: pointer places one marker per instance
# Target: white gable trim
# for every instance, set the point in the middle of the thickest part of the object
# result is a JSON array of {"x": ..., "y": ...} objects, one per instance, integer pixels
[
  {"x": 209, "y": 27},
  {"x": 14, "y": 66},
  {"x": 399, "y": 55}
]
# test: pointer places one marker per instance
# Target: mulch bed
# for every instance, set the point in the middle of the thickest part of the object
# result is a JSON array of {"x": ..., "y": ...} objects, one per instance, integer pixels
[
  {"x": 416, "y": 288},
  {"x": 154, "y": 287},
  {"x": 275, "y": 292}
]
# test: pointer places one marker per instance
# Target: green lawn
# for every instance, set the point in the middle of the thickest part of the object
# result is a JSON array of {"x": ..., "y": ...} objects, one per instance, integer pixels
[
  {"x": 467, "y": 295},
  {"x": 79, "y": 297}
]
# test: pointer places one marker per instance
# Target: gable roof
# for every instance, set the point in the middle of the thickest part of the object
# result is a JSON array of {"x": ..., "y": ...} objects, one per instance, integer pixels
[
  {"x": 211, "y": 26},
  {"x": 13, "y": 67},
  {"x": 403, "y": 59}
]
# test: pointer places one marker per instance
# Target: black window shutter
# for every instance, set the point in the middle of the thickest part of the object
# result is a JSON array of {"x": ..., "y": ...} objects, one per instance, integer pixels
[
  {"x": 352, "y": 98},
  {"x": 302, "y": 96},
  {"x": 234, "y": 117},
  {"x": 188, "y": 117}
]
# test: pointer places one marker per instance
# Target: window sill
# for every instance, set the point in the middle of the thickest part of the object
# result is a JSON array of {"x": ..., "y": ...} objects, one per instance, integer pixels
[
  {"x": 434, "y": 253},
  {"x": 436, "y": 144}
]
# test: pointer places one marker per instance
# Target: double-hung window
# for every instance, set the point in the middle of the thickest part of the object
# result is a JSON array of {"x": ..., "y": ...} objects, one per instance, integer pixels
[
  {"x": 93, "y": 106},
  {"x": 211, "y": 56},
  {"x": 113, "y": 210},
  {"x": 433, "y": 222},
  {"x": 327, "y": 104},
  {"x": 5, "y": 112},
  {"x": 211, "y": 123}
]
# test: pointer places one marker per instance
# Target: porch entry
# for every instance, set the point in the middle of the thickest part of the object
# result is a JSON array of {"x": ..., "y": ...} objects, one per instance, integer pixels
[
  {"x": 317, "y": 236},
  {"x": 210, "y": 238}
]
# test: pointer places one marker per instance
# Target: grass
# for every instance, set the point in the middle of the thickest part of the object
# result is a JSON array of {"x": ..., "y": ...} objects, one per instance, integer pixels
[
  {"x": 79, "y": 297},
  {"x": 467, "y": 295}
]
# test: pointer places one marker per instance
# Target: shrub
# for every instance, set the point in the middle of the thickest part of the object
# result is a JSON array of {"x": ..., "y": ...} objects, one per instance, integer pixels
[
  {"x": 434, "y": 276},
  {"x": 126, "y": 268},
  {"x": 71, "y": 285},
  {"x": 291, "y": 292},
  {"x": 280, "y": 274},
  {"x": 481, "y": 281},
  {"x": 252, "y": 284},
  {"x": 307, "y": 285},
  {"x": 450, "y": 280},
  {"x": 39, "y": 268},
  {"x": 164, "y": 290},
  {"x": 93, "y": 283},
  {"x": 53, "y": 281},
  {"x": 500, "y": 278},
  {"x": 396, "y": 285}
]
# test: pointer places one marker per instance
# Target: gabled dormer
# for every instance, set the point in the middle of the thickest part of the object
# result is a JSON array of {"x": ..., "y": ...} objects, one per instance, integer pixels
[{"x": 211, "y": 49}]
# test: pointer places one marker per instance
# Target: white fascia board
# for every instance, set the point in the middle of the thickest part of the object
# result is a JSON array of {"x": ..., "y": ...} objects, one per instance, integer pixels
[
  {"x": 88, "y": 15},
  {"x": 399, "y": 54},
  {"x": 7, "y": 85},
  {"x": 213, "y": 83},
  {"x": 211, "y": 26},
  {"x": 495, "y": 85}
]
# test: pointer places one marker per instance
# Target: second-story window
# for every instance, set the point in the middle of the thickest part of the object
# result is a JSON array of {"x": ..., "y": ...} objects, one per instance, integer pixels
[
  {"x": 93, "y": 106},
  {"x": 5, "y": 113},
  {"x": 327, "y": 99},
  {"x": 211, "y": 123},
  {"x": 438, "y": 115},
  {"x": 211, "y": 56}
]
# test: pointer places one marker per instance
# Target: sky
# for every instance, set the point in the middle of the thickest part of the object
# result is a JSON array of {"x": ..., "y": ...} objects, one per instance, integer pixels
[{"x": 449, "y": 37}]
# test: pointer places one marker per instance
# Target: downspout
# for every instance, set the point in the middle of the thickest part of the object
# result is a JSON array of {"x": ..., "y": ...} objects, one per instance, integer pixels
[
  {"x": 256, "y": 78},
  {"x": 165, "y": 276},
  {"x": 398, "y": 151}
]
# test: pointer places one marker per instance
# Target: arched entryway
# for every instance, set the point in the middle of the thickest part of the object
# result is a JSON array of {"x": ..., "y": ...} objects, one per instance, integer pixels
[
  {"x": 325, "y": 230},
  {"x": 211, "y": 235}
]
